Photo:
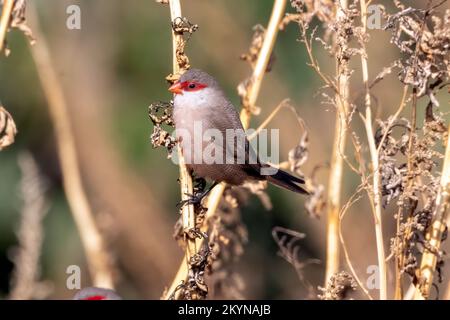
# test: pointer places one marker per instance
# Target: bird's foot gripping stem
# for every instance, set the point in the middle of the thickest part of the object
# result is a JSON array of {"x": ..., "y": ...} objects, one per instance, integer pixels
[
  {"x": 194, "y": 199},
  {"x": 197, "y": 197}
]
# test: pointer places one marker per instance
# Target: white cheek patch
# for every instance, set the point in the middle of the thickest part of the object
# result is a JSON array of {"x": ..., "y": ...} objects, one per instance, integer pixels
[{"x": 193, "y": 99}]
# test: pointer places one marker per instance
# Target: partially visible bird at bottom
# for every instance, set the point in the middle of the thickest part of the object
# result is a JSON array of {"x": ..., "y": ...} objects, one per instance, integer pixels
[{"x": 94, "y": 293}]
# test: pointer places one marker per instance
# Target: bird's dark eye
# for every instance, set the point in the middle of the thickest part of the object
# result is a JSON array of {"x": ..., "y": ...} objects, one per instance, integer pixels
[{"x": 191, "y": 85}]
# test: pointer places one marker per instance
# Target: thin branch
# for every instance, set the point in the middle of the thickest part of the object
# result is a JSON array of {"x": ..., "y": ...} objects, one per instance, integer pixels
[
  {"x": 212, "y": 204},
  {"x": 263, "y": 60},
  {"x": 96, "y": 254},
  {"x": 252, "y": 95},
  {"x": 353, "y": 199},
  {"x": 410, "y": 166},
  {"x": 336, "y": 167},
  {"x": 272, "y": 115},
  {"x": 313, "y": 62},
  {"x": 186, "y": 186},
  {"x": 394, "y": 118}
]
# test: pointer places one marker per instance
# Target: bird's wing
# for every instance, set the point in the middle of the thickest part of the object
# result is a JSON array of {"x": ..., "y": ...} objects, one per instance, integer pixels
[{"x": 234, "y": 143}]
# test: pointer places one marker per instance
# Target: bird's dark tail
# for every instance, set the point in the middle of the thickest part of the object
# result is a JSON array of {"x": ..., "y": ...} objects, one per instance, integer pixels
[{"x": 287, "y": 181}]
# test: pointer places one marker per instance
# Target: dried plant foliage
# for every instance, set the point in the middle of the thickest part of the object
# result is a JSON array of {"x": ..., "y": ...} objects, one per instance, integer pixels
[
  {"x": 316, "y": 203},
  {"x": 224, "y": 245},
  {"x": 258, "y": 188},
  {"x": 424, "y": 41},
  {"x": 414, "y": 190},
  {"x": 409, "y": 163},
  {"x": 8, "y": 129},
  {"x": 397, "y": 161},
  {"x": 194, "y": 288},
  {"x": 289, "y": 249},
  {"x": 227, "y": 239},
  {"x": 338, "y": 287},
  {"x": 251, "y": 57},
  {"x": 182, "y": 26},
  {"x": 299, "y": 154},
  {"x": 408, "y": 155},
  {"x": 160, "y": 114},
  {"x": 253, "y": 52}
]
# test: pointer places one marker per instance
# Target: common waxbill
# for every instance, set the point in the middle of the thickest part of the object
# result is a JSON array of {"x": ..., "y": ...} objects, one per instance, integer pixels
[
  {"x": 94, "y": 293},
  {"x": 200, "y": 105}
]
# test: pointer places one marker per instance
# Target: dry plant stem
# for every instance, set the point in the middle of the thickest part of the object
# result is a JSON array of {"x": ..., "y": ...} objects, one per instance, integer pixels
[
  {"x": 435, "y": 232},
  {"x": 93, "y": 243},
  {"x": 252, "y": 95},
  {"x": 263, "y": 59},
  {"x": 336, "y": 168},
  {"x": 186, "y": 188},
  {"x": 213, "y": 203},
  {"x": 376, "y": 187},
  {"x": 398, "y": 293},
  {"x": 354, "y": 198},
  {"x": 394, "y": 118},
  {"x": 401, "y": 259},
  {"x": 272, "y": 115},
  {"x": 4, "y": 21}
]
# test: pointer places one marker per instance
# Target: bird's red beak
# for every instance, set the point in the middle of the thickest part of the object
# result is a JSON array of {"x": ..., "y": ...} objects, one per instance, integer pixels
[{"x": 176, "y": 88}]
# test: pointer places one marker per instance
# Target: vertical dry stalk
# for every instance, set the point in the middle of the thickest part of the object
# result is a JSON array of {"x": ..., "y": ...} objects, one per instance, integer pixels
[
  {"x": 336, "y": 167},
  {"x": 263, "y": 60},
  {"x": 25, "y": 280},
  {"x": 4, "y": 21},
  {"x": 186, "y": 187},
  {"x": 435, "y": 232},
  {"x": 97, "y": 257},
  {"x": 182, "y": 273},
  {"x": 376, "y": 187},
  {"x": 250, "y": 100}
]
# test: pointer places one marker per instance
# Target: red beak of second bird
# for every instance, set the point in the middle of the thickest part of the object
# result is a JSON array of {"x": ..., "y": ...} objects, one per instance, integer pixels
[{"x": 176, "y": 88}]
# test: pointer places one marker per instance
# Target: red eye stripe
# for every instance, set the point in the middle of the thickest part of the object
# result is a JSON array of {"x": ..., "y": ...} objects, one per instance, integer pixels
[
  {"x": 98, "y": 297},
  {"x": 191, "y": 86}
]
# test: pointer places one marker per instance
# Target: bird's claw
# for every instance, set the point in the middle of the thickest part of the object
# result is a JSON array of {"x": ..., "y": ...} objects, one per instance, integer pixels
[{"x": 192, "y": 199}]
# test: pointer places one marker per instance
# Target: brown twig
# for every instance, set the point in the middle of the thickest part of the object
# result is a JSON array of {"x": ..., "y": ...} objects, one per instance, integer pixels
[
  {"x": 353, "y": 199},
  {"x": 96, "y": 254},
  {"x": 186, "y": 186},
  {"x": 8, "y": 129},
  {"x": 262, "y": 61},
  {"x": 252, "y": 95},
  {"x": 4, "y": 21}
]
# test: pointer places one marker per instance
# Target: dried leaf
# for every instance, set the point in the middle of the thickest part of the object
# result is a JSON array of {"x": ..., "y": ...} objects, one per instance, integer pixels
[{"x": 8, "y": 129}]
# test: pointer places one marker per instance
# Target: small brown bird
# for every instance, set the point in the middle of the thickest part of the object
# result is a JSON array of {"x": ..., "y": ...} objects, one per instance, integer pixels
[{"x": 201, "y": 107}]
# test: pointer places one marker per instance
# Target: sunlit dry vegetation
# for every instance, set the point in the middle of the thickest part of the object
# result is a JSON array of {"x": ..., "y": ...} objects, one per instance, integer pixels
[{"x": 359, "y": 90}]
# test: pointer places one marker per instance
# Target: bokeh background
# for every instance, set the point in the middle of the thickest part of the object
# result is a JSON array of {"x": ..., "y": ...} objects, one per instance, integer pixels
[{"x": 111, "y": 70}]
